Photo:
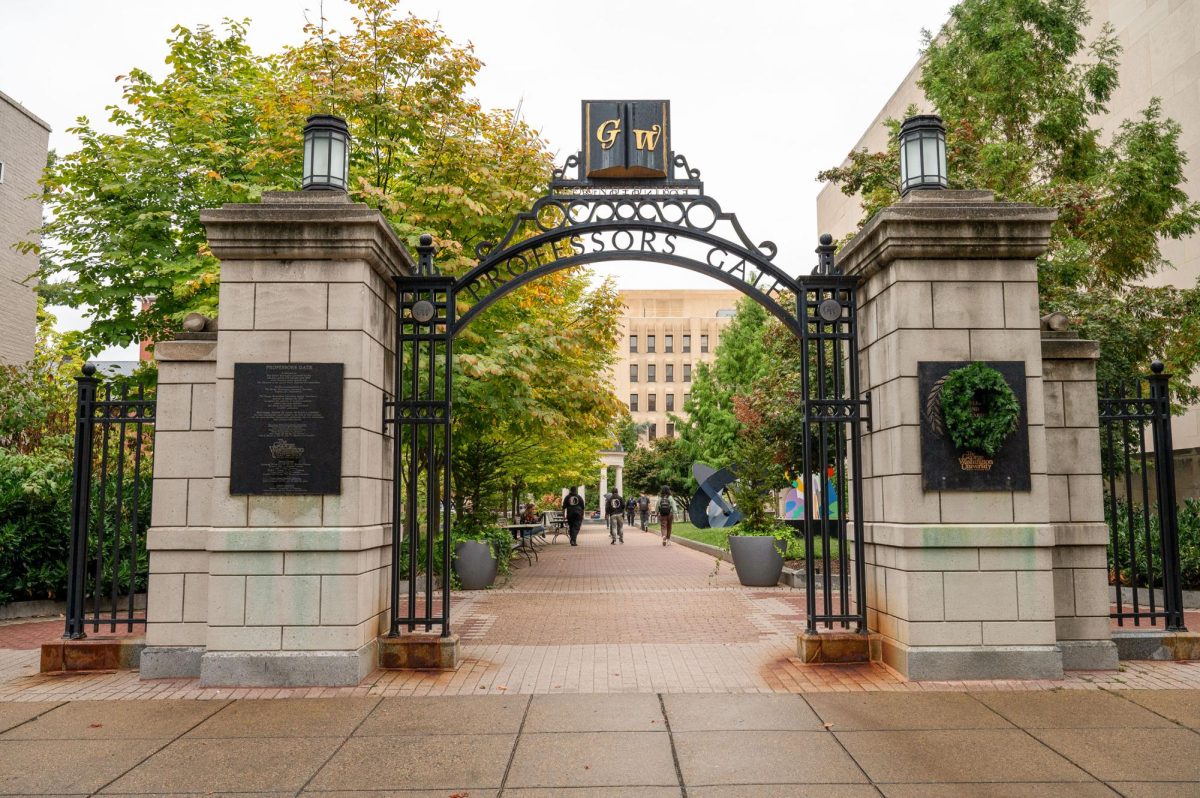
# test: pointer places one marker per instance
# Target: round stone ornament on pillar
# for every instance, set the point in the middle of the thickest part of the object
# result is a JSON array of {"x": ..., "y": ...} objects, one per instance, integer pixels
[
  {"x": 326, "y": 153},
  {"x": 922, "y": 153}
]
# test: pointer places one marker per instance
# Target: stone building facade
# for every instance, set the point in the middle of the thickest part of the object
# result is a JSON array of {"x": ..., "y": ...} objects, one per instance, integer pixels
[
  {"x": 24, "y": 139},
  {"x": 664, "y": 336},
  {"x": 1160, "y": 41}
]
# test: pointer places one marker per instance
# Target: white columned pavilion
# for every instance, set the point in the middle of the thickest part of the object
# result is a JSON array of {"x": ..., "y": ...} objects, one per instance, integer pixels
[{"x": 616, "y": 458}]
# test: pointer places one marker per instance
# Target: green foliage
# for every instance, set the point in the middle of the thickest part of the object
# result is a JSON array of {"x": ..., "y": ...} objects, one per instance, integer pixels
[
  {"x": 1189, "y": 545},
  {"x": 758, "y": 472},
  {"x": 740, "y": 359},
  {"x": 1020, "y": 91},
  {"x": 37, "y": 399},
  {"x": 35, "y": 522},
  {"x": 663, "y": 462},
  {"x": 482, "y": 526},
  {"x": 979, "y": 408}
]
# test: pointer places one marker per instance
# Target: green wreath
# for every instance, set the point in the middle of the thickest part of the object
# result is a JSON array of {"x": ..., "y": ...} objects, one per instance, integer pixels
[{"x": 979, "y": 408}]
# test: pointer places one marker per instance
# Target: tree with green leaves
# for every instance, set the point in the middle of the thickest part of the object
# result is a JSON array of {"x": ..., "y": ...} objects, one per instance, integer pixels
[
  {"x": 1020, "y": 91},
  {"x": 740, "y": 360}
]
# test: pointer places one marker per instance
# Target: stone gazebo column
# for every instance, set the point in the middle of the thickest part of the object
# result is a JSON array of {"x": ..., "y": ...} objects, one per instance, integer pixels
[
  {"x": 297, "y": 585},
  {"x": 959, "y": 584}
]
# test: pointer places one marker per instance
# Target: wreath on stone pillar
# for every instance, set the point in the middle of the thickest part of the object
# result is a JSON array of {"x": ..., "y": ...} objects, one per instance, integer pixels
[{"x": 979, "y": 409}]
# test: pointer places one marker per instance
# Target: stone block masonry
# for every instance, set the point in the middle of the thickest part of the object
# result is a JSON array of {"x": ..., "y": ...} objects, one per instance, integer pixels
[
  {"x": 279, "y": 590},
  {"x": 969, "y": 584}
]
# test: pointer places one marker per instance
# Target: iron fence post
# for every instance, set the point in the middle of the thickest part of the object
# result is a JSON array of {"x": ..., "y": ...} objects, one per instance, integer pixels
[
  {"x": 81, "y": 480},
  {"x": 1168, "y": 519}
]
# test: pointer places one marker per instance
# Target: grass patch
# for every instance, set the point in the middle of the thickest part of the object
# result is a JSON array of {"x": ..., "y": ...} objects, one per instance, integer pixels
[{"x": 720, "y": 539}]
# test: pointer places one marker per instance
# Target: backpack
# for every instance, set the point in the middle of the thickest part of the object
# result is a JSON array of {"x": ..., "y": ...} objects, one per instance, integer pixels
[
  {"x": 644, "y": 504},
  {"x": 616, "y": 504},
  {"x": 664, "y": 506}
]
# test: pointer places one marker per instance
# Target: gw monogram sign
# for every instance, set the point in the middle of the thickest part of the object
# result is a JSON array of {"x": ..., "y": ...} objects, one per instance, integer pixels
[{"x": 626, "y": 139}]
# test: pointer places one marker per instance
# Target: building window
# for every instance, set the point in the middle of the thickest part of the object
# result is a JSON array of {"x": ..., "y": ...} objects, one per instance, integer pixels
[
  {"x": 687, "y": 343},
  {"x": 670, "y": 372},
  {"x": 726, "y": 313},
  {"x": 633, "y": 372},
  {"x": 649, "y": 343},
  {"x": 633, "y": 402},
  {"x": 651, "y": 402},
  {"x": 670, "y": 403},
  {"x": 669, "y": 344},
  {"x": 650, "y": 372},
  {"x": 651, "y": 431},
  {"x": 687, "y": 397},
  {"x": 633, "y": 343},
  {"x": 703, "y": 343},
  {"x": 687, "y": 372},
  {"x": 670, "y": 430}
]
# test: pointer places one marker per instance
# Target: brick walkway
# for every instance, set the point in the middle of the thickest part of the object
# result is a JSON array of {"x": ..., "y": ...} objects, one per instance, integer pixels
[{"x": 600, "y": 619}]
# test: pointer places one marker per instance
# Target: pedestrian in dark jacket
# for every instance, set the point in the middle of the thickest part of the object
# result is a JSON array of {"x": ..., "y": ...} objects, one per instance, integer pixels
[
  {"x": 630, "y": 508},
  {"x": 666, "y": 512},
  {"x": 644, "y": 510},
  {"x": 572, "y": 508},
  {"x": 615, "y": 509}
]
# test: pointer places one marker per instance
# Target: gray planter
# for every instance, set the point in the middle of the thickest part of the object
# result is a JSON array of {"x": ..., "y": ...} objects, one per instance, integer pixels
[
  {"x": 475, "y": 564},
  {"x": 756, "y": 559}
]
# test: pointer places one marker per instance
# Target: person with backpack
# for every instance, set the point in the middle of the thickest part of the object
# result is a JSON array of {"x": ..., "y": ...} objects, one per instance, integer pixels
[
  {"x": 572, "y": 508},
  {"x": 666, "y": 512},
  {"x": 643, "y": 504},
  {"x": 615, "y": 507},
  {"x": 630, "y": 509}
]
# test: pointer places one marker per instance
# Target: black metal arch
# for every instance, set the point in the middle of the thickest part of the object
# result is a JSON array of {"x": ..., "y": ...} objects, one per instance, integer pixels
[{"x": 750, "y": 272}]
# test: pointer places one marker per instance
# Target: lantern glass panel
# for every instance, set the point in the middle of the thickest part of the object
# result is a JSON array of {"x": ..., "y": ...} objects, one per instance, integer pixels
[
  {"x": 320, "y": 156},
  {"x": 337, "y": 163},
  {"x": 929, "y": 158},
  {"x": 913, "y": 175},
  {"x": 942, "y": 173}
]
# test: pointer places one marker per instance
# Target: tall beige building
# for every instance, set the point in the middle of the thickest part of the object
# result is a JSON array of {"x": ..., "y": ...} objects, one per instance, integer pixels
[
  {"x": 1160, "y": 41},
  {"x": 24, "y": 139},
  {"x": 664, "y": 336}
]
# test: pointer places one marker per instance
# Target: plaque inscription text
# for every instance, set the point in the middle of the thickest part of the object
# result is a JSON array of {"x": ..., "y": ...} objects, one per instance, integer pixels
[{"x": 287, "y": 428}]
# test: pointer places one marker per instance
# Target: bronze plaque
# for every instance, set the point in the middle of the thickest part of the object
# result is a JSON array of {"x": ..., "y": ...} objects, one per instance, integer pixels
[{"x": 287, "y": 429}]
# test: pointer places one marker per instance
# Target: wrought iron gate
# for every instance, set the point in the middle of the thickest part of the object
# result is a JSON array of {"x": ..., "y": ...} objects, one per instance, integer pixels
[
  {"x": 580, "y": 220},
  {"x": 110, "y": 505},
  {"x": 1140, "y": 502}
]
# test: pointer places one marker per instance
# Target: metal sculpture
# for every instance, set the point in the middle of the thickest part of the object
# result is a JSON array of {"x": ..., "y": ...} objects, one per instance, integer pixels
[{"x": 708, "y": 507}]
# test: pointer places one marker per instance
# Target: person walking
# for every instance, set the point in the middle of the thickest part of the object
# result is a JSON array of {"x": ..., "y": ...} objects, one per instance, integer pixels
[
  {"x": 572, "y": 507},
  {"x": 615, "y": 507},
  {"x": 666, "y": 512},
  {"x": 643, "y": 504},
  {"x": 630, "y": 508}
]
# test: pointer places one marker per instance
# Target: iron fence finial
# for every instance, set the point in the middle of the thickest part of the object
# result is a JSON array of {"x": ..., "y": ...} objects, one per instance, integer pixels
[
  {"x": 425, "y": 250},
  {"x": 825, "y": 253}
]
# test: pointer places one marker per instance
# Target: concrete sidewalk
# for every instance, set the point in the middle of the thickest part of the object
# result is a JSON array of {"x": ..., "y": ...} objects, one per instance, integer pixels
[{"x": 1072, "y": 743}]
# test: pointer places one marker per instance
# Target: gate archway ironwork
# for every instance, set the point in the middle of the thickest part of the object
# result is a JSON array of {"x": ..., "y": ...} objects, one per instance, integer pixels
[{"x": 581, "y": 221}]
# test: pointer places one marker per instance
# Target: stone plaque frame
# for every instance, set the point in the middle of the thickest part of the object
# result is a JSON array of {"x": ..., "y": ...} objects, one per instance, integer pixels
[
  {"x": 941, "y": 465},
  {"x": 287, "y": 429}
]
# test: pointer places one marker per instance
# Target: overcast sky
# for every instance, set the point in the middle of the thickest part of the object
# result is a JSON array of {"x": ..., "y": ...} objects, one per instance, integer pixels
[{"x": 764, "y": 93}]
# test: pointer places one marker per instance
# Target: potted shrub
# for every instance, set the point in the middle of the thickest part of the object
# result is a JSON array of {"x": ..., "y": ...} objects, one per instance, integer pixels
[
  {"x": 758, "y": 542},
  {"x": 480, "y": 552}
]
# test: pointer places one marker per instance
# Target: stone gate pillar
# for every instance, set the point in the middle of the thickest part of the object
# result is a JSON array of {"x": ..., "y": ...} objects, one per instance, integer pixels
[
  {"x": 297, "y": 584},
  {"x": 959, "y": 584}
]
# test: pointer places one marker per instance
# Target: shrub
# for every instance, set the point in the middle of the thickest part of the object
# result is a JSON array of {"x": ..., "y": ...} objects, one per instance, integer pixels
[
  {"x": 35, "y": 523},
  {"x": 1189, "y": 545}
]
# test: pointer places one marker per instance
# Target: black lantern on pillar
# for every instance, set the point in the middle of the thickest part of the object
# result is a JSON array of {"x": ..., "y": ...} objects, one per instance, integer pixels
[
  {"x": 922, "y": 153},
  {"x": 326, "y": 153}
]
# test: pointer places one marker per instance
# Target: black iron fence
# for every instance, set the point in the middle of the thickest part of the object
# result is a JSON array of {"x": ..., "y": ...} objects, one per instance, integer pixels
[
  {"x": 110, "y": 505},
  {"x": 1137, "y": 461}
]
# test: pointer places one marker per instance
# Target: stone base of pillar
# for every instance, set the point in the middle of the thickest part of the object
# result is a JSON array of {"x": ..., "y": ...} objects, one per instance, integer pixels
[
  {"x": 171, "y": 662},
  {"x": 1088, "y": 655},
  {"x": 1157, "y": 644},
  {"x": 959, "y": 663},
  {"x": 419, "y": 652},
  {"x": 92, "y": 654},
  {"x": 287, "y": 668},
  {"x": 833, "y": 647}
]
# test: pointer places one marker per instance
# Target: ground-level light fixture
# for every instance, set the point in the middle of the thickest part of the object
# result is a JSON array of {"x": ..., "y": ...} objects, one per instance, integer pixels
[
  {"x": 326, "y": 153},
  {"x": 922, "y": 153}
]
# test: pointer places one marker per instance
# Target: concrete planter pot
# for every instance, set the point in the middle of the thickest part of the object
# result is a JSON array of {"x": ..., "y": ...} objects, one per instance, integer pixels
[
  {"x": 756, "y": 559},
  {"x": 475, "y": 564}
]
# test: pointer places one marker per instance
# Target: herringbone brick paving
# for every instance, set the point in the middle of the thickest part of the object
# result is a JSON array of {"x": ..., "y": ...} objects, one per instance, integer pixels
[{"x": 597, "y": 618}]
